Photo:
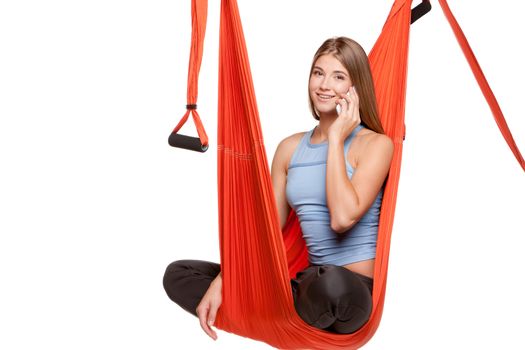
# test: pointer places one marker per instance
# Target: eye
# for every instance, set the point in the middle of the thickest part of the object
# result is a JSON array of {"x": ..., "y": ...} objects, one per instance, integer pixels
[
  {"x": 340, "y": 77},
  {"x": 317, "y": 72}
]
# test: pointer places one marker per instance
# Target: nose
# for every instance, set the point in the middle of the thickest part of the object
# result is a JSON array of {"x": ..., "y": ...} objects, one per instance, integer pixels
[{"x": 324, "y": 84}]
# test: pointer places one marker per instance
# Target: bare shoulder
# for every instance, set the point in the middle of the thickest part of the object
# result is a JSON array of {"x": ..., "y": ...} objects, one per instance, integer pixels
[
  {"x": 291, "y": 141},
  {"x": 376, "y": 145},
  {"x": 285, "y": 149},
  {"x": 381, "y": 141}
]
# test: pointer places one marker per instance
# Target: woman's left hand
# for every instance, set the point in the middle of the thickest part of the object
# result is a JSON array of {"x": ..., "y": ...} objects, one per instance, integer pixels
[{"x": 348, "y": 119}]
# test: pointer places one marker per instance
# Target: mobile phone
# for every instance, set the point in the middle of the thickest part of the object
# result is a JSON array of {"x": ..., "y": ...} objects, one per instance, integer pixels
[{"x": 338, "y": 106}]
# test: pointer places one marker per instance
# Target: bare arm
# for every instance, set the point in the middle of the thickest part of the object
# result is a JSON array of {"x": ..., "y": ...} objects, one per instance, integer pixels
[
  {"x": 348, "y": 199},
  {"x": 279, "y": 170}
]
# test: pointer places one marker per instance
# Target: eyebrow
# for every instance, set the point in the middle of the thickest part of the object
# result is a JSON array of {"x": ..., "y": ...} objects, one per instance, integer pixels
[{"x": 335, "y": 71}]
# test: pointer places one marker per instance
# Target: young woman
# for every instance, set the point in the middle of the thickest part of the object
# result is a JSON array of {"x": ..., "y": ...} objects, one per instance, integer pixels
[{"x": 332, "y": 176}]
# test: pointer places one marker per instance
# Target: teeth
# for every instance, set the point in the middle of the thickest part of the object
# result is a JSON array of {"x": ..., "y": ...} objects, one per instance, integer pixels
[{"x": 325, "y": 96}]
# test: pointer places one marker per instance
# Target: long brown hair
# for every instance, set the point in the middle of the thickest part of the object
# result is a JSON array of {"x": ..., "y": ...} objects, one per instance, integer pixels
[{"x": 354, "y": 59}]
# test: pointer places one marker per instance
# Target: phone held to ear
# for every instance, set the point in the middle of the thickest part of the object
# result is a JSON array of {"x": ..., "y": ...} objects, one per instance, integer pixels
[{"x": 338, "y": 106}]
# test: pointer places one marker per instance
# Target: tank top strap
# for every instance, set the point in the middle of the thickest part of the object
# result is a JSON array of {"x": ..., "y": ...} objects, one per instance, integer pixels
[
  {"x": 349, "y": 139},
  {"x": 301, "y": 146}
]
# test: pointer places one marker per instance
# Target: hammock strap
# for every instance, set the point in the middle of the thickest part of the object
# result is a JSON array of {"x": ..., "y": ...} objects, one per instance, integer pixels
[
  {"x": 482, "y": 82},
  {"x": 199, "y": 15}
]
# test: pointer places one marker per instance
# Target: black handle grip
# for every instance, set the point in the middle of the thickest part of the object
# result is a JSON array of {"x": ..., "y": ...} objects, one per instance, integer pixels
[
  {"x": 420, "y": 10},
  {"x": 187, "y": 142}
]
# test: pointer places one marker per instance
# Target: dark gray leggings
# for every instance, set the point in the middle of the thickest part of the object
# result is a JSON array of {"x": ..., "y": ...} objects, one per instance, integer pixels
[{"x": 327, "y": 297}]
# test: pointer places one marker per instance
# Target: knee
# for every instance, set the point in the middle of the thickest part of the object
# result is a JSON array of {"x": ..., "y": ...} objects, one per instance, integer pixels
[
  {"x": 175, "y": 268},
  {"x": 328, "y": 295},
  {"x": 344, "y": 291},
  {"x": 173, "y": 275},
  {"x": 348, "y": 296},
  {"x": 334, "y": 283}
]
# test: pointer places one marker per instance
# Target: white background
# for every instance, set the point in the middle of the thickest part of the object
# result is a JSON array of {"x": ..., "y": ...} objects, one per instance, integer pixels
[{"x": 94, "y": 203}]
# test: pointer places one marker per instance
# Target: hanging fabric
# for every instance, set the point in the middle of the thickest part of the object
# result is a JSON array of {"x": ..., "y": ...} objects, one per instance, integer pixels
[
  {"x": 482, "y": 82},
  {"x": 257, "y": 259}
]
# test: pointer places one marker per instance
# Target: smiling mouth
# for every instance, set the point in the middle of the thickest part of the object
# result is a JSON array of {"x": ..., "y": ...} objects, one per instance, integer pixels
[{"x": 325, "y": 97}]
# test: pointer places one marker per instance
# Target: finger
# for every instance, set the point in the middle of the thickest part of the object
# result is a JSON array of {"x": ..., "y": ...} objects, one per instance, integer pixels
[
  {"x": 212, "y": 314},
  {"x": 344, "y": 104},
  {"x": 203, "y": 315},
  {"x": 211, "y": 319},
  {"x": 349, "y": 99},
  {"x": 213, "y": 335},
  {"x": 354, "y": 93}
]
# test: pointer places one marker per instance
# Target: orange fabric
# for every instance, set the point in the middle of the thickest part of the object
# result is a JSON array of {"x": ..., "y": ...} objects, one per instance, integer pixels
[
  {"x": 199, "y": 16},
  {"x": 482, "y": 82},
  {"x": 257, "y": 258}
]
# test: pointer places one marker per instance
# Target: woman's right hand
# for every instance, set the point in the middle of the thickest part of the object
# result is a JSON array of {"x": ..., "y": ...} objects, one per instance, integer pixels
[{"x": 210, "y": 302}]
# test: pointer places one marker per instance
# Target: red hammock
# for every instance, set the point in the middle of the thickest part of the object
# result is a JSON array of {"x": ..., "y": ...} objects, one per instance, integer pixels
[{"x": 257, "y": 259}]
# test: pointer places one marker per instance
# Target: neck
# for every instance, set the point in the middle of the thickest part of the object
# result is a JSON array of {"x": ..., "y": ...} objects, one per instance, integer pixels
[{"x": 321, "y": 131}]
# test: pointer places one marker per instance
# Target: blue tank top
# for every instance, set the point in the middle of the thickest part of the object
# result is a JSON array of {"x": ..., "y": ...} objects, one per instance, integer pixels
[{"x": 306, "y": 194}]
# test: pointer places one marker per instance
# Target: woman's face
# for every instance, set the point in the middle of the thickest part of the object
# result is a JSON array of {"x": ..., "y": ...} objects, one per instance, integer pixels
[{"x": 329, "y": 80}]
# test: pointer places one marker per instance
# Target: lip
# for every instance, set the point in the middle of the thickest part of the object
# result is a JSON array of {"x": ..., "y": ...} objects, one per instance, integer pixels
[{"x": 321, "y": 97}]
